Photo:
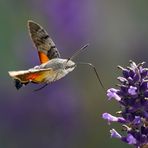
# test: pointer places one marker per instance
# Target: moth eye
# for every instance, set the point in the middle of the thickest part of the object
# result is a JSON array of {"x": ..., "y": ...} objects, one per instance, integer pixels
[{"x": 67, "y": 67}]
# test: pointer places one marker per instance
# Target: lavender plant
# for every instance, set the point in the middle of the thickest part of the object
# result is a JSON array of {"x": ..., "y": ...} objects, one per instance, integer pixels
[{"x": 132, "y": 96}]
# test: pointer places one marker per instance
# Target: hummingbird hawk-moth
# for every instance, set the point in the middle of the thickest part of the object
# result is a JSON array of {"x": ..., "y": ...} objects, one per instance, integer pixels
[{"x": 52, "y": 67}]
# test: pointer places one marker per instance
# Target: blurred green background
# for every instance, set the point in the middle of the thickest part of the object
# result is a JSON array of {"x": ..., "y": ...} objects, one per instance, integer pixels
[{"x": 67, "y": 114}]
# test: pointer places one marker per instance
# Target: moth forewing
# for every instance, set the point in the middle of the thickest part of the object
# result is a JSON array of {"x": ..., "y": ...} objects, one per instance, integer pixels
[{"x": 44, "y": 44}]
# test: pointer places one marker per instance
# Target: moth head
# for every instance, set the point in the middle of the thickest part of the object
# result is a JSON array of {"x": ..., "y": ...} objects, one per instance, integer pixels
[{"x": 69, "y": 65}]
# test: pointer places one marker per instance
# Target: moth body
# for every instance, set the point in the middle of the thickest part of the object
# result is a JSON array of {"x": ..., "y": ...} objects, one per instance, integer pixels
[
  {"x": 60, "y": 68},
  {"x": 47, "y": 72}
]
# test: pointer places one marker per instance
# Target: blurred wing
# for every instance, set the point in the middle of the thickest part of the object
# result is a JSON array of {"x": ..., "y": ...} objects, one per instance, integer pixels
[
  {"x": 36, "y": 76},
  {"x": 44, "y": 44}
]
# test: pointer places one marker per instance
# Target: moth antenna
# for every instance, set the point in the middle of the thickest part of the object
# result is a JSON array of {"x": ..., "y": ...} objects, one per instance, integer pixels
[
  {"x": 41, "y": 87},
  {"x": 97, "y": 75},
  {"x": 78, "y": 52}
]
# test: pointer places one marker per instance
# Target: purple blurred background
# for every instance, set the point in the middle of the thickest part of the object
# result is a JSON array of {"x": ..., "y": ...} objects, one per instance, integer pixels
[{"x": 67, "y": 114}]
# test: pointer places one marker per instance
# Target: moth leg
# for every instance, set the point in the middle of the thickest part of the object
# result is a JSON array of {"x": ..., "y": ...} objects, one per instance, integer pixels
[
  {"x": 41, "y": 87},
  {"x": 55, "y": 78}
]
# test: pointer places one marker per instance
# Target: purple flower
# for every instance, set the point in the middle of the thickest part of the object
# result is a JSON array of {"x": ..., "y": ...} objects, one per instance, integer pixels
[
  {"x": 131, "y": 139},
  {"x": 112, "y": 93},
  {"x": 115, "y": 134},
  {"x": 111, "y": 118},
  {"x": 132, "y": 90},
  {"x": 132, "y": 96}
]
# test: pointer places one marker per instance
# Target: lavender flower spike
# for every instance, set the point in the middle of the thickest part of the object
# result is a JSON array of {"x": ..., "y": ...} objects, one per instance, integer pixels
[{"x": 132, "y": 96}]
